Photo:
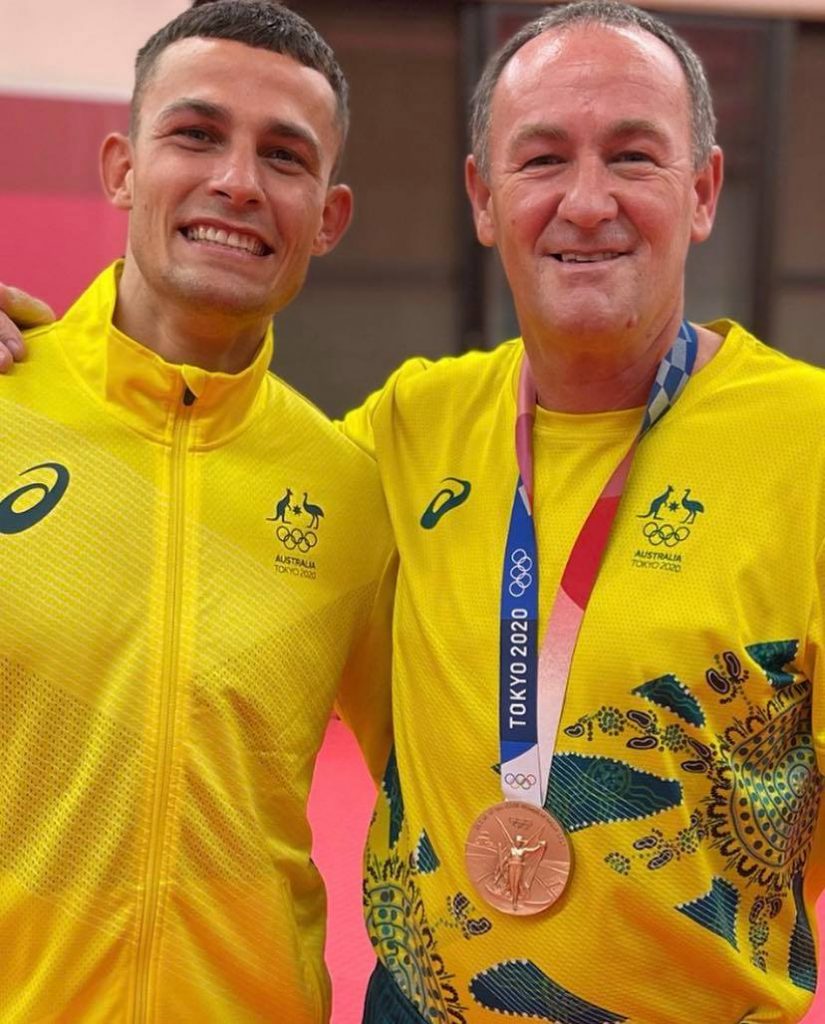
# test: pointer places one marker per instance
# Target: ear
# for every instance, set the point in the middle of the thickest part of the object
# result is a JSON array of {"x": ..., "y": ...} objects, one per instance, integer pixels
[
  {"x": 707, "y": 185},
  {"x": 481, "y": 201},
  {"x": 335, "y": 219},
  {"x": 116, "y": 170}
]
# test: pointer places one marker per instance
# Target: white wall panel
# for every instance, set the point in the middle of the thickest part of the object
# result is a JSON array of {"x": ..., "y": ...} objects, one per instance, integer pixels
[{"x": 77, "y": 48}]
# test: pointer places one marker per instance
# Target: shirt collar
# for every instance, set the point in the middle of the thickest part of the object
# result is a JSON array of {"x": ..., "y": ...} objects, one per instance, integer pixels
[{"x": 139, "y": 386}]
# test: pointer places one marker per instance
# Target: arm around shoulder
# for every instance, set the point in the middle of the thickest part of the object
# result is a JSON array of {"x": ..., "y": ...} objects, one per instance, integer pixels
[{"x": 18, "y": 310}]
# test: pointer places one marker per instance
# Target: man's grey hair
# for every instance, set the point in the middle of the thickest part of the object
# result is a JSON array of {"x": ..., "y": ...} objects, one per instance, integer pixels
[{"x": 611, "y": 14}]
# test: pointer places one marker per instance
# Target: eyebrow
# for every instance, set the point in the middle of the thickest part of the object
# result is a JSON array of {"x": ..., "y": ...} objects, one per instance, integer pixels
[
  {"x": 221, "y": 114},
  {"x": 637, "y": 126},
  {"x": 539, "y": 130}
]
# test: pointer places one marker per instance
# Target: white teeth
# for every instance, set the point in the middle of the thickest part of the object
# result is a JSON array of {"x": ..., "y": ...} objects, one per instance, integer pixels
[
  {"x": 590, "y": 257},
  {"x": 231, "y": 239}
]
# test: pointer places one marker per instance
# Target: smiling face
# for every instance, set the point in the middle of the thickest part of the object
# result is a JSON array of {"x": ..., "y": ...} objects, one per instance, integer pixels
[
  {"x": 592, "y": 199},
  {"x": 227, "y": 180}
]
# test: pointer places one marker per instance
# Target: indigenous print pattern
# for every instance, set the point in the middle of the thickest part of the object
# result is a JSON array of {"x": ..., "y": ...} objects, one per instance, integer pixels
[
  {"x": 519, "y": 989},
  {"x": 717, "y": 910},
  {"x": 391, "y": 786},
  {"x": 462, "y": 910},
  {"x": 425, "y": 858},
  {"x": 588, "y": 791},
  {"x": 396, "y": 917},
  {"x": 405, "y": 942},
  {"x": 754, "y": 792},
  {"x": 762, "y": 791},
  {"x": 802, "y": 956}
]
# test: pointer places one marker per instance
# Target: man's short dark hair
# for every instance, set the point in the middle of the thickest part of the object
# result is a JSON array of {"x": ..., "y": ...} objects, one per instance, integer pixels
[
  {"x": 263, "y": 24},
  {"x": 611, "y": 14}
]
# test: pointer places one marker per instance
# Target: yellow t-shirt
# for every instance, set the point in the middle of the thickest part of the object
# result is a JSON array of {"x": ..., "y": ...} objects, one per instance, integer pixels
[
  {"x": 687, "y": 768},
  {"x": 182, "y": 586}
]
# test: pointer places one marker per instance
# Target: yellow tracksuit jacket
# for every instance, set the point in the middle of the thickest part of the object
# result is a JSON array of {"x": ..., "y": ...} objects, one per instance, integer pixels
[{"x": 189, "y": 565}]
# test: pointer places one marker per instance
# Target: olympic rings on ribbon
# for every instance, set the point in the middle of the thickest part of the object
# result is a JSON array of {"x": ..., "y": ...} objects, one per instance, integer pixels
[
  {"x": 521, "y": 575},
  {"x": 664, "y": 533},
  {"x": 520, "y": 781},
  {"x": 293, "y": 538}
]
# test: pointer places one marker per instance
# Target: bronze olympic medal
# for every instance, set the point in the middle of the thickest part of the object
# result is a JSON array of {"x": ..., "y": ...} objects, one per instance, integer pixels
[{"x": 518, "y": 858}]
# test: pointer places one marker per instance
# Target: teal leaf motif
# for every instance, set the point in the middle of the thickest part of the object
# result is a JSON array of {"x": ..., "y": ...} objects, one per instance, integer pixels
[
  {"x": 391, "y": 785},
  {"x": 668, "y": 692},
  {"x": 586, "y": 791},
  {"x": 519, "y": 988},
  {"x": 802, "y": 956},
  {"x": 773, "y": 657},
  {"x": 426, "y": 859},
  {"x": 716, "y": 911}
]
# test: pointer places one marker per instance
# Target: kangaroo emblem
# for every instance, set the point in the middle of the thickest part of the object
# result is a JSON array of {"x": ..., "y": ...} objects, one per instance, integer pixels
[
  {"x": 657, "y": 503},
  {"x": 281, "y": 509},
  {"x": 315, "y": 512},
  {"x": 692, "y": 507}
]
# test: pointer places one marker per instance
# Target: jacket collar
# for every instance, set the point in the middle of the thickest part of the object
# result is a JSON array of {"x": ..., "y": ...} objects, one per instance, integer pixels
[{"x": 137, "y": 385}]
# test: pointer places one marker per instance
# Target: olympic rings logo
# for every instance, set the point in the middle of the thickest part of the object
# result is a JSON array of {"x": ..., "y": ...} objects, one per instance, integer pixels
[
  {"x": 294, "y": 539},
  {"x": 664, "y": 533},
  {"x": 521, "y": 574},
  {"x": 520, "y": 781}
]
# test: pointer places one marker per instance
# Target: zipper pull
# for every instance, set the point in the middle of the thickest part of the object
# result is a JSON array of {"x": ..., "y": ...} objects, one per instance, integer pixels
[{"x": 189, "y": 395}]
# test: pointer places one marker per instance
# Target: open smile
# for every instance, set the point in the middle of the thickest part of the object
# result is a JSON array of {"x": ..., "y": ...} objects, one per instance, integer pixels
[
  {"x": 587, "y": 257},
  {"x": 229, "y": 239}
]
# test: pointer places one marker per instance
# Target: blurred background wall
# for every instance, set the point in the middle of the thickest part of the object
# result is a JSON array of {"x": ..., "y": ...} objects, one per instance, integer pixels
[{"x": 409, "y": 278}]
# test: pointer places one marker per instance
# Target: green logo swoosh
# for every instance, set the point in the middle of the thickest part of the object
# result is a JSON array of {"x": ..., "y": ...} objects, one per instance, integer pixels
[
  {"x": 446, "y": 499},
  {"x": 12, "y": 521}
]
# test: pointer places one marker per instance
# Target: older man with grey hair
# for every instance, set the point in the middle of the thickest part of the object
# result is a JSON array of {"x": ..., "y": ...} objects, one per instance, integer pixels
[{"x": 604, "y": 795}]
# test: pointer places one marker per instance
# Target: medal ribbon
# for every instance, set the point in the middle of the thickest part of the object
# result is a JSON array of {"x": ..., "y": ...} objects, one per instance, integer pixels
[{"x": 532, "y": 683}]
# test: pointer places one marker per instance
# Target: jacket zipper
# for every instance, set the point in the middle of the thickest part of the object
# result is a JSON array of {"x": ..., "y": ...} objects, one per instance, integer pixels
[{"x": 166, "y": 716}]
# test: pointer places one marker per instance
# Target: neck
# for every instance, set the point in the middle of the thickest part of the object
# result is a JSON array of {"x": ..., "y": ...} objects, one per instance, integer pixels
[
  {"x": 583, "y": 380},
  {"x": 210, "y": 338}
]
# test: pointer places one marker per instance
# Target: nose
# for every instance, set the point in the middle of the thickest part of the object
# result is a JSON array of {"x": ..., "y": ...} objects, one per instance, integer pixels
[
  {"x": 588, "y": 199},
  {"x": 237, "y": 177}
]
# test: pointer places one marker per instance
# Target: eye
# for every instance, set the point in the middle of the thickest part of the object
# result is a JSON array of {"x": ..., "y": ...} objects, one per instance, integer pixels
[
  {"x": 544, "y": 160},
  {"x": 280, "y": 155},
  {"x": 633, "y": 156},
  {"x": 194, "y": 134}
]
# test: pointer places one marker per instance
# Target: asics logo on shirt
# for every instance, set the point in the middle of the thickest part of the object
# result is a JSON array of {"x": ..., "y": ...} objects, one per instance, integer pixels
[
  {"x": 18, "y": 513},
  {"x": 446, "y": 499}
]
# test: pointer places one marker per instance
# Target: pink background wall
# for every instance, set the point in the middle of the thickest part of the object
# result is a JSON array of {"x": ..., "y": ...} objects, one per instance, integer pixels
[{"x": 56, "y": 229}]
